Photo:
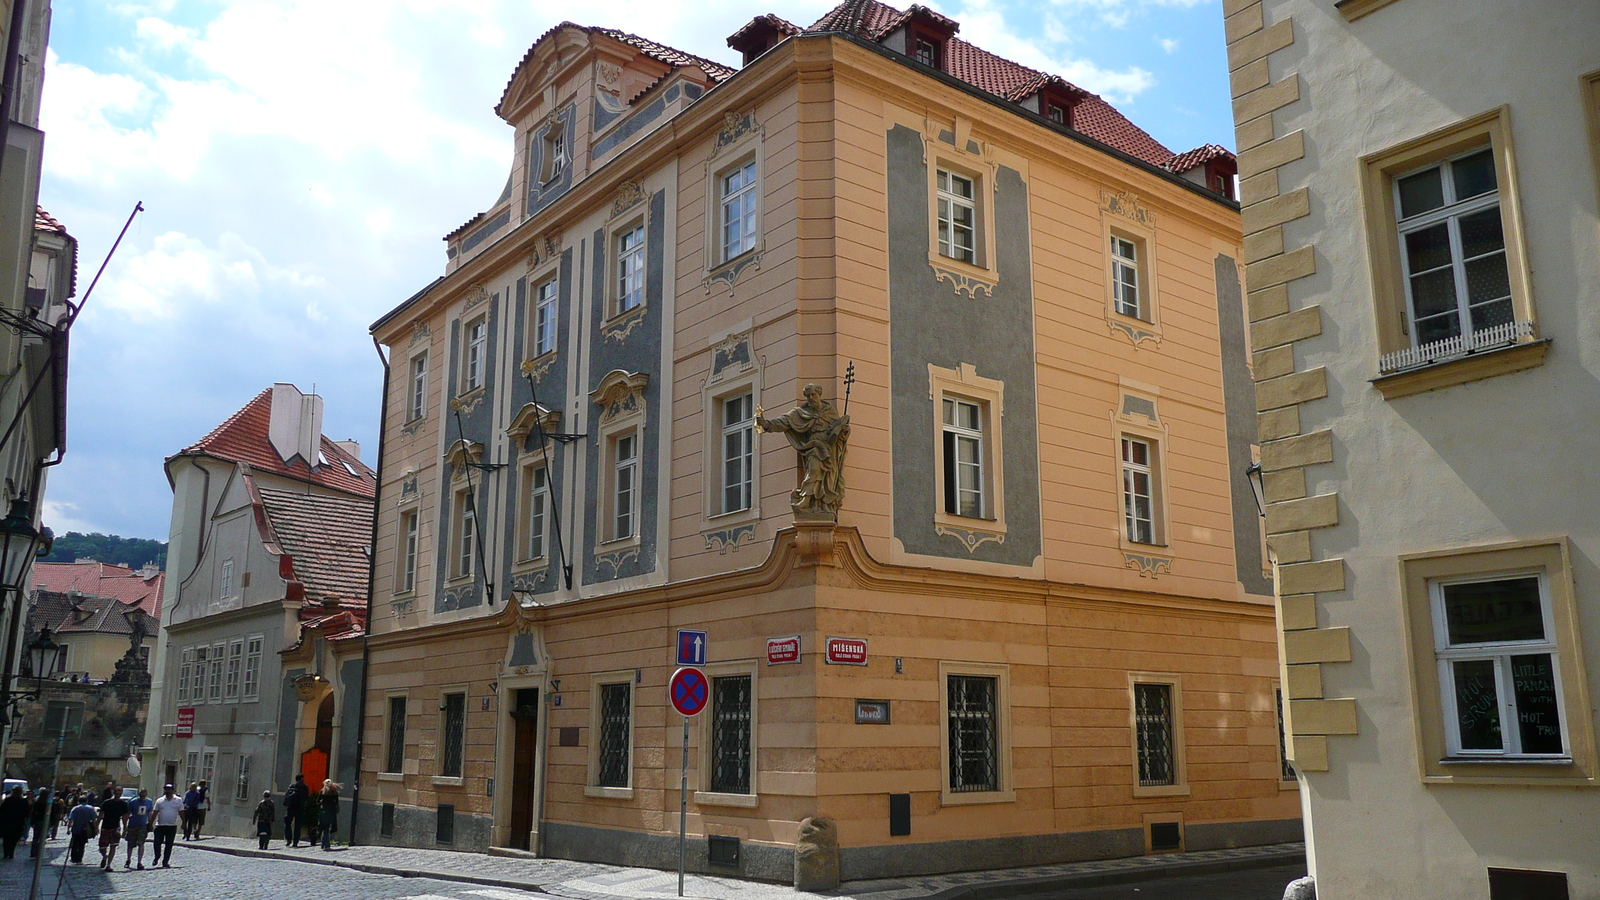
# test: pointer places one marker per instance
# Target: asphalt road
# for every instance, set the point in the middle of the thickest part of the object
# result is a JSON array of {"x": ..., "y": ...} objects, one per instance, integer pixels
[{"x": 1248, "y": 884}]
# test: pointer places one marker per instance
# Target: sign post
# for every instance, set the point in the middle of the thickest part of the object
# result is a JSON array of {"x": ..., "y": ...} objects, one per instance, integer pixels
[{"x": 689, "y": 692}]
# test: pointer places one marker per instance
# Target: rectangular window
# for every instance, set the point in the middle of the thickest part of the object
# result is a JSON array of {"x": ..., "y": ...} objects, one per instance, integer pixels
[
  {"x": 730, "y": 734},
  {"x": 1498, "y": 668},
  {"x": 544, "y": 317},
  {"x": 624, "y": 487},
  {"x": 453, "y": 724},
  {"x": 1453, "y": 250},
  {"x": 963, "y": 458},
  {"x": 1287, "y": 772},
  {"x": 63, "y": 719},
  {"x": 926, "y": 52},
  {"x": 557, "y": 146},
  {"x": 973, "y": 733},
  {"x": 241, "y": 787},
  {"x": 235, "y": 671},
  {"x": 252, "y": 668},
  {"x": 185, "y": 671},
  {"x": 208, "y": 767},
  {"x": 418, "y": 403},
  {"x": 214, "y": 675},
  {"x": 614, "y": 767},
  {"x": 958, "y": 217},
  {"x": 1055, "y": 112},
  {"x": 225, "y": 582},
  {"x": 738, "y": 452},
  {"x": 191, "y": 767},
  {"x": 476, "y": 358},
  {"x": 394, "y": 757},
  {"x": 536, "y": 511},
  {"x": 1152, "y": 718},
  {"x": 466, "y": 533},
  {"x": 1138, "y": 491},
  {"x": 739, "y": 211},
  {"x": 630, "y": 269},
  {"x": 408, "y": 552},
  {"x": 1125, "y": 278}
]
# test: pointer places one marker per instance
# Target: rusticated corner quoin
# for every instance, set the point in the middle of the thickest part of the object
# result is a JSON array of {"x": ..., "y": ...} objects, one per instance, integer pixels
[{"x": 1273, "y": 267}]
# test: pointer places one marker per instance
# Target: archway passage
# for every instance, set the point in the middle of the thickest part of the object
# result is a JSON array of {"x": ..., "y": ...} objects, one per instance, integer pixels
[{"x": 314, "y": 762}]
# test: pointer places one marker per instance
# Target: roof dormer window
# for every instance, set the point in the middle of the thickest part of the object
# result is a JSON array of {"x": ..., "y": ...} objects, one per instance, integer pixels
[
  {"x": 926, "y": 51},
  {"x": 1055, "y": 112}
]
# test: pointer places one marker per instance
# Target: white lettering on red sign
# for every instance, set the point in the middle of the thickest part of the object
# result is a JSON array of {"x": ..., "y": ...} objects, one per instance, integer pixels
[
  {"x": 783, "y": 650},
  {"x": 185, "y": 722},
  {"x": 846, "y": 652}
]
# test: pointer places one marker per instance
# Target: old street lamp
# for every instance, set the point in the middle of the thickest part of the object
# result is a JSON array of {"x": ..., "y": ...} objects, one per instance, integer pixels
[
  {"x": 42, "y": 654},
  {"x": 20, "y": 542},
  {"x": 1257, "y": 487}
]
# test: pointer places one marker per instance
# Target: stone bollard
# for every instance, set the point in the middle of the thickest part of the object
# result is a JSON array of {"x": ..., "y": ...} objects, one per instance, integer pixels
[
  {"x": 816, "y": 855},
  {"x": 1301, "y": 889}
]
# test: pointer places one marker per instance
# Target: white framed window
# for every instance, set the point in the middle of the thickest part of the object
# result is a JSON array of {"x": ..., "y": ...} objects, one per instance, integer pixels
[
  {"x": 1453, "y": 248},
  {"x": 925, "y": 51},
  {"x": 611, "y": 724},
  {"x": 957, "y": 216},
  {"x": 1499, "y": 669},
  {"x": 407, "y": 580},
  {"x": 191, "y": 768},
  {"x": 738, "y": 205},
  {"x": 1125, "y": 278},
  {"x": 208, "y": 767},
  {"x": 624, "y": 485},
  {"x": 558, "y": 152},
  {"x": 535, "y": 512},
  {"x": 214, "y": 675},
  {"x": 235, "y": 670},
  {"x": 241, "y": 786},
  {"x": 417, "y": 402},
  {"x": 476, "y": 357},
  {"x": 544, "y": 316},
  {"x": 252, "y": 668},
  {"x": 225, "y": 580},
  {"x": 963, "y": 476},
  {"x": 185, "y": 672},
  {"x": 466, "y": 534},
  {"x": 738, "y": 452},
  {"x": 629, "y": 249},
  {"x": 1138, "y": 490}
]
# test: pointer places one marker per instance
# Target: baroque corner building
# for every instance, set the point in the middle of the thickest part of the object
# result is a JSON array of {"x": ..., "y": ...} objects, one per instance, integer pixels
[{"x": 1039, "y": 626}]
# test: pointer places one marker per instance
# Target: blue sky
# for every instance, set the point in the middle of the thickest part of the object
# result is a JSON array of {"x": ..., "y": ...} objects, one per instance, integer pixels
[{"x": 301, "y": 160}]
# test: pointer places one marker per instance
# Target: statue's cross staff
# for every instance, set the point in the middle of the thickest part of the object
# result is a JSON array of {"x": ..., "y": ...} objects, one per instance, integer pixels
[{"x": 849, "y": 379}]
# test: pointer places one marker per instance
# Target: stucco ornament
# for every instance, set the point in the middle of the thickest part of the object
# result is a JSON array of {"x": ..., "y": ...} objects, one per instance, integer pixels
[{"x": 819, "y": 434}]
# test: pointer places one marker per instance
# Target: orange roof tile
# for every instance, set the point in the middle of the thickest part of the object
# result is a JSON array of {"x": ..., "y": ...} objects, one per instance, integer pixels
[
  {"x": 1199, "y": 156},
  {"x": 43, "y": 221},
  {"x": 98, "y": 579},
  {"x": 242, "y": 438}
]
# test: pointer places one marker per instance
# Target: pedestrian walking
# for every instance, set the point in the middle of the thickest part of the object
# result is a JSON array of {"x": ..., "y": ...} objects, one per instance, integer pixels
[
  {"x": 266, "y": 813},
  {"x": 202, "y": 807},
  {"x": 166, "y": 812},
  {"x": 328, "y": 812},
  {"x": 14, "y": 812},
  {"x": 109, "y": 791},
  {"x": 113, "y": 818},
  {"x": 191, "y": 804},
  {"x": 58, "y": 811},
  {"x": 80, "y": 822},
  {"x": 294, "y": 800},
  {"x": 39, "y": 818},
  {"x": 139, "y": 812}
]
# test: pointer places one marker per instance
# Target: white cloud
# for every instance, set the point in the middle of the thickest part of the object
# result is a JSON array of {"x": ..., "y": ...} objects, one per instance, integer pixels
[
  {"x": 1168, "y": 44},
  {"x": 63, "y": 517},
  {"x": 1119, "y": 13},
  {"x": 986, "y": 26}
]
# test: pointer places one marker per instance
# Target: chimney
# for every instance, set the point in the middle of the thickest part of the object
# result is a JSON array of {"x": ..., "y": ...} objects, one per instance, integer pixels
[
  {"x": 350, "y": 446},
  {"x": 296, "y": 425}
]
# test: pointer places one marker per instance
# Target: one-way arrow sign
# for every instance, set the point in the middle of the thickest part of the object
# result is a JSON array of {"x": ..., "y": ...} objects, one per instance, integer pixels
[{"x": 691, "y": 648}]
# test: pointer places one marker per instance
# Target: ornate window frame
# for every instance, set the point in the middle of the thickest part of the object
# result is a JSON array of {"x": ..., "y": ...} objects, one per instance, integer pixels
[
  {"x": 742, "y": 140},
  {"x": 965, "y": 383},
  {"x": 591, "y": 787},
  {"x": 1122, "y": 216},
  {"x": 1127, "y": 421},
  {"x": 621, "y": 399},
  {"x": 982, "y": 275}
]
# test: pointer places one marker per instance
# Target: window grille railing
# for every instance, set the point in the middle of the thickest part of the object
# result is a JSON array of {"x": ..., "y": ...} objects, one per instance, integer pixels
[
  {"x": 730, "y": 735},
  {"x": 1153, "y": 717},
  {"x": 974, "y": 737},
  {"x": 455, "y": 726},
  {"x": 1460, "y": 345},
  {"x": 614, "y": 713},
  {"x": 395, "y": 758}
]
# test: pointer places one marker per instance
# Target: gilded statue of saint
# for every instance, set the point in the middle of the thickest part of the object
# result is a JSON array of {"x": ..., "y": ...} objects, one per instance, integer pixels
[{"x": 819, "y": 434}]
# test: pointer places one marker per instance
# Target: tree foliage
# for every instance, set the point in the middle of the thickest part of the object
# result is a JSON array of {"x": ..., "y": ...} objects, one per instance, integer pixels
[{"x": 107, "y": 548}]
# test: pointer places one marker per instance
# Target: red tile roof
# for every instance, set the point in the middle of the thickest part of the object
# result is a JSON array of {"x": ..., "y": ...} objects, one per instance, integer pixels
[
  {"x": 766, "y": 20},
  {"x": 98, "y": 579},
  {"x": 66, "y": 614},
  {"x": 243, "y": 439},
  {"x": 343, "y": 625},
  {"x": 43, "y": 221},
  {"x": 326, "y": 536},
  {"x": 1199, "y": 156}
]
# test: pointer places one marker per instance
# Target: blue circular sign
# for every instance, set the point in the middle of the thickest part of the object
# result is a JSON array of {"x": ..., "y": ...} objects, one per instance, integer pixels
[{"x": 689, "y": 691}]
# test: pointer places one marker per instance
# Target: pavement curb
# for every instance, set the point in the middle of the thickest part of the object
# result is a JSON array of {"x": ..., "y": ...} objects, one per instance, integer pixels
[
  {"x": 374, "y": 869},
  {"x": 1021, "y": 887}
]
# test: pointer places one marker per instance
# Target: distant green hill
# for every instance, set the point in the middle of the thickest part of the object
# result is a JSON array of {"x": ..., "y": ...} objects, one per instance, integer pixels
[{"x": 108, "y": 548}]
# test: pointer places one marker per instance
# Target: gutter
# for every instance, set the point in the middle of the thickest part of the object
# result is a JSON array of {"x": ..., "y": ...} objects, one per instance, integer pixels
[{"x": 372, "y": 587}]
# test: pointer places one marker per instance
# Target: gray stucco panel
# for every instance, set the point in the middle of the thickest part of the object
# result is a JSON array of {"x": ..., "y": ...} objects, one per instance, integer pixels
[{"x": 1239, "y": 398}]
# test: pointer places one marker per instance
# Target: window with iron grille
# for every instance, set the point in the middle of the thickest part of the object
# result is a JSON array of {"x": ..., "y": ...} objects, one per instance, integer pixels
[
  {"x": 454, "y": 724},
  {"x": 616, "y": 711},
  {"x": 1283, "y": 747},
  {"x": 730, "y": 734},
  {"x": 395, "y": 754},
  {"x": 1153, "y": 721},
  {"x": 974, "y": 733}
]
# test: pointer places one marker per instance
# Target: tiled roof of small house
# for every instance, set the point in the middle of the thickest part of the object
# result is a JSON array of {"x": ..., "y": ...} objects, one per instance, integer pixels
[
  {"x": 776, "y": 23},
  {"x": 342, "y": 625},
  {"x": 661, "y": 53},
  {"x": 242, "y": 438},
  {"x": 73, "y": 613},
  {"x": 1199, "y": 156},
  {"x": 43, "y": 221},
  {"x": 139, "y": 588},
  {"x": 327, "y": 537}
]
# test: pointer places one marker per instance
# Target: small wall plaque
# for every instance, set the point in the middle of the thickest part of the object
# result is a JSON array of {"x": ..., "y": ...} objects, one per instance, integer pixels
[{"x": 872, "y": 712}]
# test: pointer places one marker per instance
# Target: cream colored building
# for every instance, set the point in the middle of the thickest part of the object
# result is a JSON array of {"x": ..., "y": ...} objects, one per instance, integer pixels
[{"x": 1419, "y": 181}]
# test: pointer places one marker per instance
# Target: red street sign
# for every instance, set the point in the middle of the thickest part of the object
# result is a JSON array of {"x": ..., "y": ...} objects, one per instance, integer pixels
[
  {"x": 783, "y": 650},
  {"x": 689, "y": 691},
  {"x": 185, "y": 722},
  {"x": 846, "y": 652}
]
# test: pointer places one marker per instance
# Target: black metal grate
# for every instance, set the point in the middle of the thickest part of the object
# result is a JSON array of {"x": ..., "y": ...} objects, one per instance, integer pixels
[
  {"x": 615, "y": 703},
  {"x": 722, "y": 850},
  {"x": 445, "y": 830},
  {"x": 395, "y": 755},
  {"x": 454, "y": 723},
  {"x": 1283, "y": 748},
  {"x": 386, "y": 821},
  {"x": 974, "y": 735},
  {"x": 1166, "y": 836},
  {"x": 730, "y": 734},
  {"x": 1153, "y": 719}
]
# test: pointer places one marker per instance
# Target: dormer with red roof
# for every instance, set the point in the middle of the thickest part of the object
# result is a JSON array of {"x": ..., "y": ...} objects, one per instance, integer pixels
[{"x": 760, "y": 35}]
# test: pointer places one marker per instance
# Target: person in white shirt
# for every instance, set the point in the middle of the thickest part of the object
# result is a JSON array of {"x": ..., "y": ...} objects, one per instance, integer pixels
[{"x": 168, "y": 810}]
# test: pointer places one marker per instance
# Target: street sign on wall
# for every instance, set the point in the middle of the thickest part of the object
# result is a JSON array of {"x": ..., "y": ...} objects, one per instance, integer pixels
[
  {"x": 846, "y": 651},
  {"x": 783, "y": 650},
  {"x": 185, "y": 722},
  {"x": 689, "y": 691},
  {"x": 691, "y": 648}
]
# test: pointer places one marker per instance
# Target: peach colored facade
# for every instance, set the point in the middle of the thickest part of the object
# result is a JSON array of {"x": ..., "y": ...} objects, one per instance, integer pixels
[{"x": 1046, "y": 595}]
